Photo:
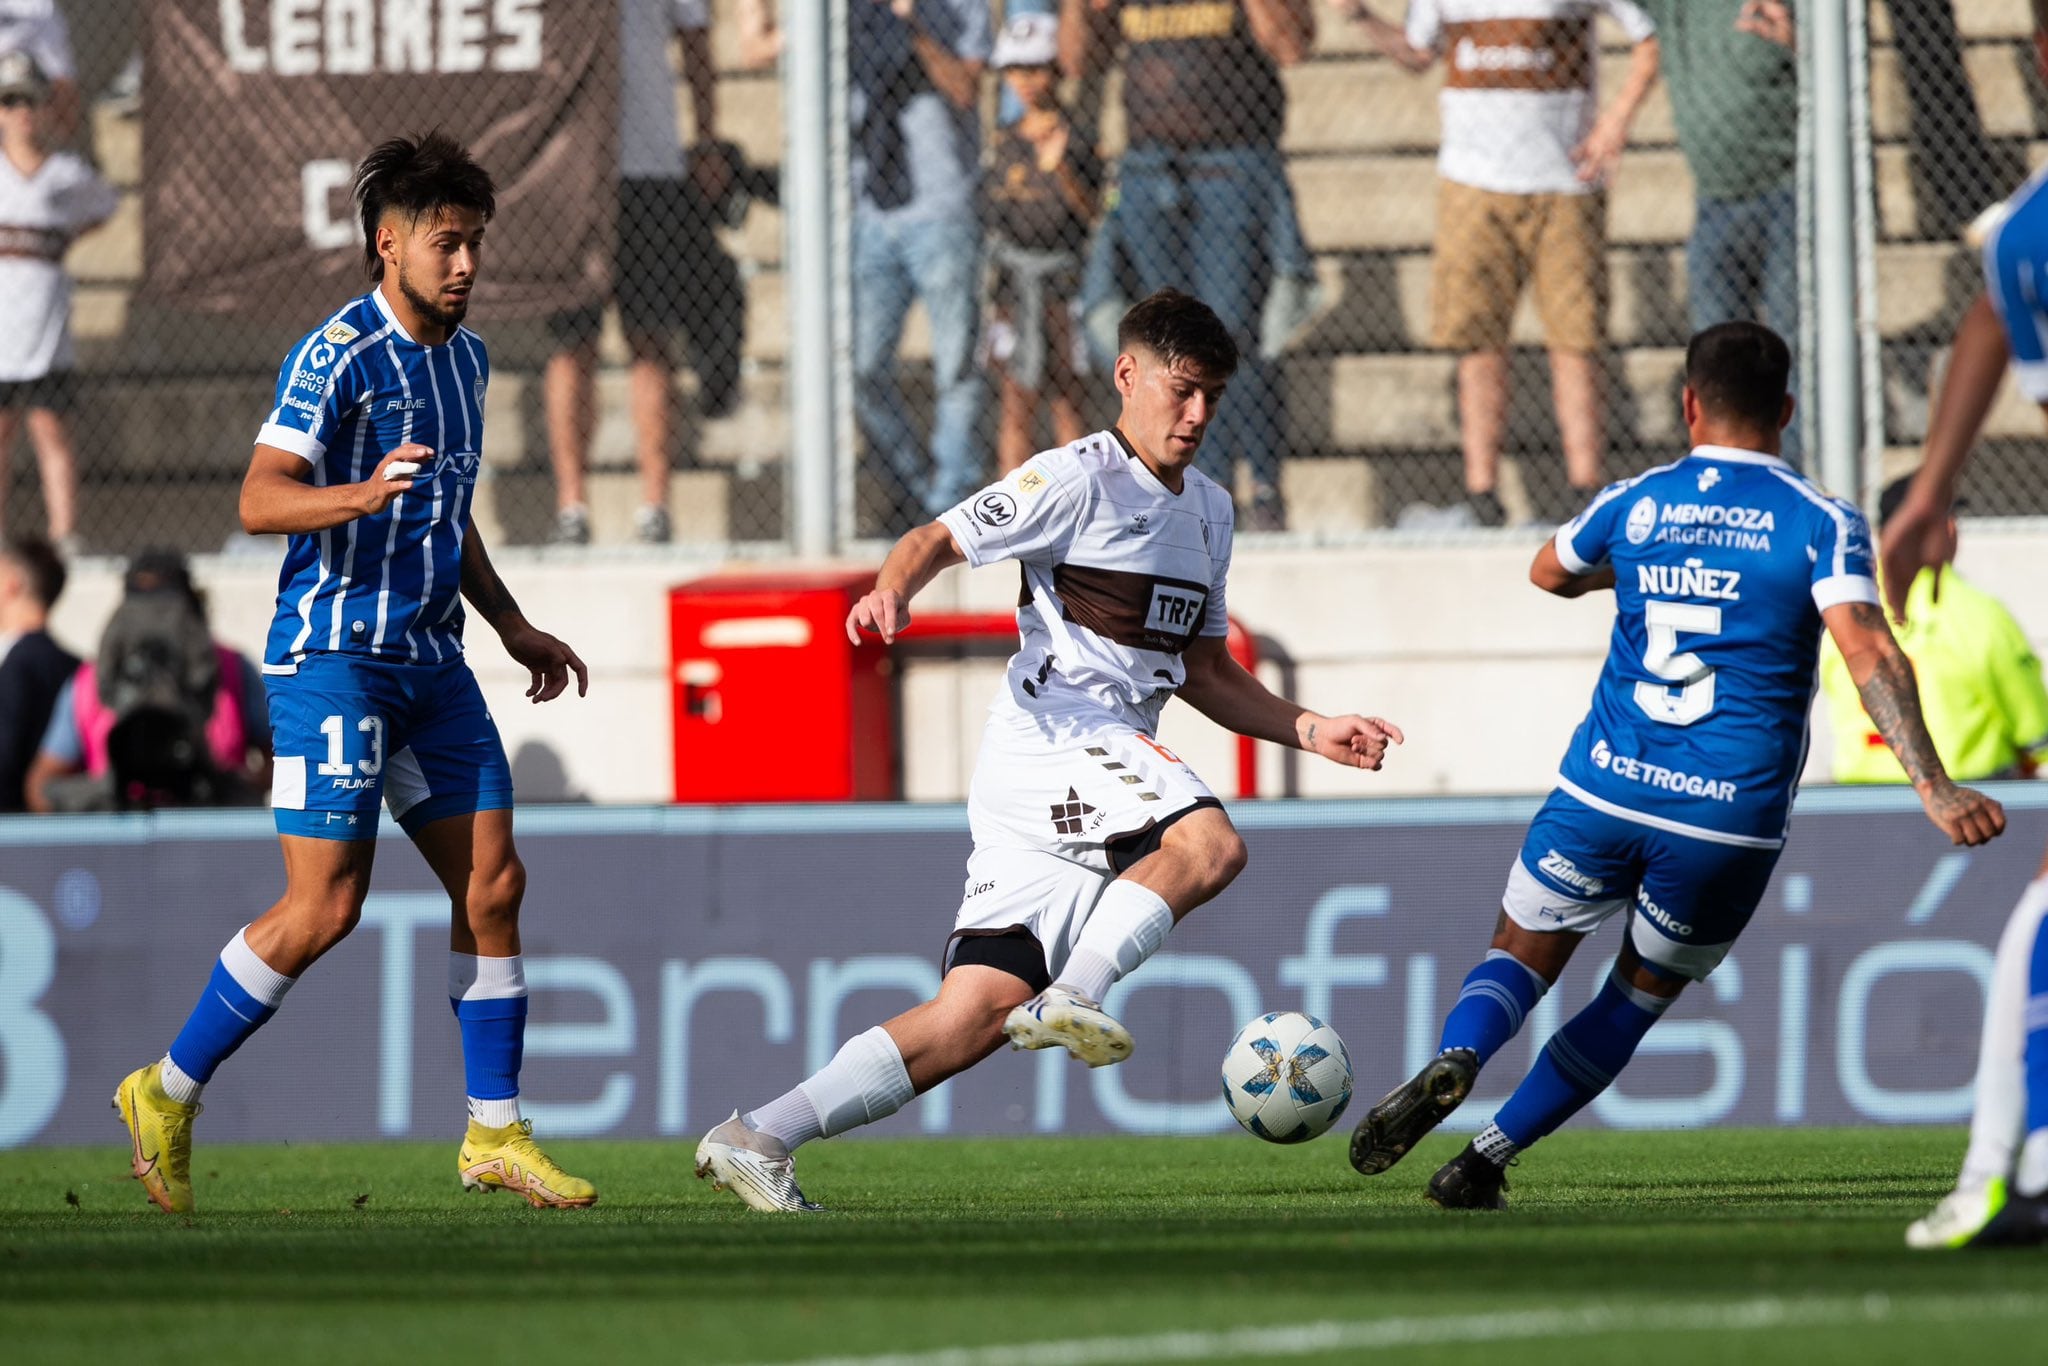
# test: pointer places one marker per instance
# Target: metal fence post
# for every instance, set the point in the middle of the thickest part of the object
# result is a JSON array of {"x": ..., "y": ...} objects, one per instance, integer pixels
[
  {"x": 1838, "y": 395},
  {"x": 810, "y": 263}
]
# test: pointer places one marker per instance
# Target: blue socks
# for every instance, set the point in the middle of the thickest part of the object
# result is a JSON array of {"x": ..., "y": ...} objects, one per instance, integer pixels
[
  {"x": 489, "y": 997},
  {"x": 243, "y": 993},
  {"x": 488, "y": 994},
  {"x": 1580, "y": 1061},
  {"x": 1497, "y": 997}
]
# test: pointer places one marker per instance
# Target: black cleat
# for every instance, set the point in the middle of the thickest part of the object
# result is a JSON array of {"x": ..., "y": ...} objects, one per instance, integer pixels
[
  {"x": 1469, "y": 1181},
  {"x": 1406, "y": 1114}
]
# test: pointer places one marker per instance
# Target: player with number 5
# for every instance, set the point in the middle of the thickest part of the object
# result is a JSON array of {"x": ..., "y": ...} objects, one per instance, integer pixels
[
  {"x": 368, "y": 463},
  {"x": 1672, "y": 800}
]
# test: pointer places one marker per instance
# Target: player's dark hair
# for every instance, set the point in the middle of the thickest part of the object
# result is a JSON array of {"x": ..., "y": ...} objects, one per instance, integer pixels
[
  {"x": 418, "y": 177},
  {"x": 1740, "y": 371},
  {"x": 1178, "y": 327},
  {"x": 40, "y": 564}
]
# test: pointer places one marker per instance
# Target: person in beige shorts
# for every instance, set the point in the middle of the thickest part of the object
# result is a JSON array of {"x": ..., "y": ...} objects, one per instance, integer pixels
[{"x": 1525, "y": 159}]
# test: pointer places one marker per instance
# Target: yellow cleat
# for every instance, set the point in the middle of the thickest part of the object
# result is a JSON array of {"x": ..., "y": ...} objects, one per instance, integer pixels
[
  {"x": 160, "y": 1133},
  {"x": 509, "y": 1159}
]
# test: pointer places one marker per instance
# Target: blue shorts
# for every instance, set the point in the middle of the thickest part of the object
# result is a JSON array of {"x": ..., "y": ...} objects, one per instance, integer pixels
[
  {"x": 2016, "y": 276},
  {"x": 1691, "y": 896},
  {"x": 350, "y": 733}
]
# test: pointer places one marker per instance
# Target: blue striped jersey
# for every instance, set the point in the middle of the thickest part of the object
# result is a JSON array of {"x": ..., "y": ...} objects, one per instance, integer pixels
[
  {"x": 1723, "y": 563},
  {"x": 351, "y": 391},
  {"x": 2016, "y": 276}
]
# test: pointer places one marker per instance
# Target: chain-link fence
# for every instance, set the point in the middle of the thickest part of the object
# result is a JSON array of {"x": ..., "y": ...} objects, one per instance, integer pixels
[
  {"x": 1459, "y": 245},
  {"x": 627, "y": 297},
  {"x": 1957, "y": 110},
  {"x": 1462, "y": 242}
]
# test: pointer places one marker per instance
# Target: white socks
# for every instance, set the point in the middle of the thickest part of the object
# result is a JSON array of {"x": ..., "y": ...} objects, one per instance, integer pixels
[
  {"x": 865, "y": 1081},
  {"x": 1495, "y": 1146},
  {"x": 790, "y": 1117},
  {"x": 1999, "y": 1120},
  {"x": 177, "y": 1085},
  {"x": 1127, "y": 926}
]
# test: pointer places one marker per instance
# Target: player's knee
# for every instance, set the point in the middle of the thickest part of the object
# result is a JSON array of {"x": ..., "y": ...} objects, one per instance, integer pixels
[
  {"x": 495, "y": 896},
  {"x": 329, "y": 916},
  {"x": 1224, "y": 856}
]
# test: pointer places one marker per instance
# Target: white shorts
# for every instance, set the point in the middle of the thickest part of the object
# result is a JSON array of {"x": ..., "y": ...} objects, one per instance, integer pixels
[{"x": 1047, "y": 801}]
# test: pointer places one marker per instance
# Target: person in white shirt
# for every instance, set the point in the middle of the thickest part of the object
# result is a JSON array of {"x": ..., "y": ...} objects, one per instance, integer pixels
[
  {"x": 670, "y": 275},
  {"x": 47, "y": 200},
  {"x": 1090, "y": 838},
  {"x": 1525, "y": 159}
]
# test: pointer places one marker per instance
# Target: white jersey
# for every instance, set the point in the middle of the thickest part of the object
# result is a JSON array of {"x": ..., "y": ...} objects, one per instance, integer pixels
[
  {"x": 40, "y": 215},
  {"x": 1520, "y": 86},
  {"x": 1121, "y": 575}
]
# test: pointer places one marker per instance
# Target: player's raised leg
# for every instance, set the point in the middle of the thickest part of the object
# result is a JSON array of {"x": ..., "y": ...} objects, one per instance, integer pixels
[
  {"x": 325, "y": 881},
  {"x": 1495, "y": 1001},
  {"x": 1196, "y": 857},
  {"x": 1561, "y": 887},
  {"x": 472, "y": 853},
  {"x": 2001, "y": 1195},
  {"x": 871, "y": 1077},
  {"x": 1580, "y": 1061}
]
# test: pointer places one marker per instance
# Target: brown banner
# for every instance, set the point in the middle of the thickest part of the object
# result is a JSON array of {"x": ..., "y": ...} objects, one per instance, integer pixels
[{"x": 259, "y": 111}]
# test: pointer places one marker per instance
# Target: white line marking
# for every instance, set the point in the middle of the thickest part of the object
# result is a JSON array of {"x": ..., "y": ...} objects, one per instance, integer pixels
[{"x": 1310, "y": 1339}]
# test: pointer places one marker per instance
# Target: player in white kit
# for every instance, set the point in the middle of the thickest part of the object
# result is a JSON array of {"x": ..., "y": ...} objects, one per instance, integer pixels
[{"x": 1090, "y": 838}]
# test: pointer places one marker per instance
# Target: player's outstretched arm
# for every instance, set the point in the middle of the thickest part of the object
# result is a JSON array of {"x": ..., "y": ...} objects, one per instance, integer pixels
[
  {"x": 913, "y": 562},
  {"x": 1224, "y": 691},
  {"x": 1548, "y": 573},
  {"x": 1916, "y": 534},
  {"x": 548, "y": 660},
  {"x": 1884, "y": 679},
  {"x": 279, "y": 500}
]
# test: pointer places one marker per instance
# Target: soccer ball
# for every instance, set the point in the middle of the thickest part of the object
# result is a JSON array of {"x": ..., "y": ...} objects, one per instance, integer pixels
[{"x": 1286, "y": 1077}]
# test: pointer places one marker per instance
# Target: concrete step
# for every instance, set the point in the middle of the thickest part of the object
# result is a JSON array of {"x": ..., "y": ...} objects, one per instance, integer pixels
[{"x": 1976, "y": 20}]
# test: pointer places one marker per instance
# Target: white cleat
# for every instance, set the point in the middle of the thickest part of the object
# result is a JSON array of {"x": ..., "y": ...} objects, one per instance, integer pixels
[
  {"x": 1962, "y": 1217},
  {"x": 1060, "y": 1018},
  {"x": 754, "y": 1166}
]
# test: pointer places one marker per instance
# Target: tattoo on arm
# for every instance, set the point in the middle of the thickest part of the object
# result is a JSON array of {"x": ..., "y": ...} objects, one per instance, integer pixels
[
  {"x": 1892, "y": 698},
  {"x": 1310, "y": 743}
]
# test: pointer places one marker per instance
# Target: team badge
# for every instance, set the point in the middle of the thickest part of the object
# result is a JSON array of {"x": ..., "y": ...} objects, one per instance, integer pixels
[
  {"x": 340, "y": 333},
  {"x": 1642, "y": 520},
  {"x": 997, "y": 509},
  {"x": 1030, "y": 482},
  {"x": 1708, "y": 478},
  {"x": 478, "y": 390}
]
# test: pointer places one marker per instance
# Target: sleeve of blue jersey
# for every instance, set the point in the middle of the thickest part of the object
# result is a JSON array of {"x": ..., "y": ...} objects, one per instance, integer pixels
[
  {"x": 309, "y": 399},
  {"x": 2012, "y": 257},
  {"x": 1583, "y": 541},
  {"x": 1844, "y": 566}
]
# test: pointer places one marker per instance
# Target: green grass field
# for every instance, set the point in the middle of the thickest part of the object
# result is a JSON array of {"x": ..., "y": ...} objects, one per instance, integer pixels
[{"x": 1705, "y": 1247}]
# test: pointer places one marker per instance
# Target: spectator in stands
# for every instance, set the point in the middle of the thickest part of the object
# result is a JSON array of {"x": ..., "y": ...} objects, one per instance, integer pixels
[
  {"x": 37, "y": 28},
  {"x": 1202, "y": 181},
  {"x": 47, "y": 200},
  {"x": 1526, "y": 157},
  {"x": 1735, "y": 96},
  {"x": 1980, "y": 682},
  {"x": 669, "y": 272},
  {"x": 915, "y": 70},
  {"x": 1041, "y": 189},
  {"x": 759, "y": 38},
  {"x": 157, "y": 668},
  {"x": 33, "y": 667}
]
